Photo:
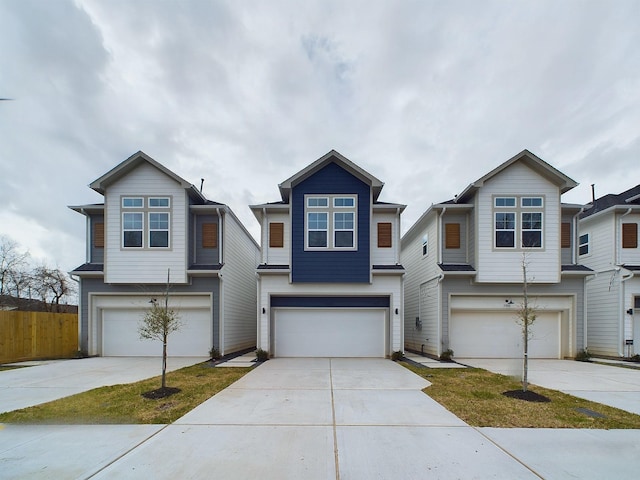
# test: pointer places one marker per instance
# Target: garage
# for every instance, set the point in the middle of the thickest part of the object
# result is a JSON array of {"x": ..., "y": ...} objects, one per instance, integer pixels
[
  {"x": 497, "y": 334},
  {"x": 330, "y": 332},
  {"x": 115, "y": 321}
]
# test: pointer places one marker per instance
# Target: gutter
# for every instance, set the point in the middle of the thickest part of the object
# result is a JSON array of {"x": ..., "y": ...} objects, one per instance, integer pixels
[{"x": 621, "y": 297}]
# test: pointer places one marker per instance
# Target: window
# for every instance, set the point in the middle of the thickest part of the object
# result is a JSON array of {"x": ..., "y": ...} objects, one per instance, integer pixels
[
  {"x": 505, "y": 202},
  {"x": 531, "y": 201},
  {"x": 565, "y": 235},
  {"x": 158, "y": 230},
  {"x": 629, "y": 235},
  {"x": 209, "y": 235},
  {"x": 583, "y": 244},
  {"x": 317, "y": 228},
  {"x": 505, "y": 229},
  {"x": 452, "y": 235},
  {"x": 532, "y": 230},
  {"x": 132, "y": 202},
  {"x": 331, "y": 222},
  {"x": 343, "y": 229},
  {"x": 276, "y": 235},
  {"x": 132, "y": 230},
  {"x": 159, "y": 202},
  {"x": 98, "y": 235},
  {"x": 384, "y": 235},
  {"x": 425, "y": 245}
]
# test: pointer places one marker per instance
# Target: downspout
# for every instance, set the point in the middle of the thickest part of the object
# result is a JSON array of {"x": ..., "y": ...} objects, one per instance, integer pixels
[
  {"x": 264, "y": 237},
  {"x": 624, "y": 278},
  {"x": 397, "y": 258},
  {"x": 585, "y": 311},
  {"x": 576, "y": 236},
  {"x": 439, "y": 346},
  {"x": 440, "y": 234},
  {"x": 220, "y": 288}
]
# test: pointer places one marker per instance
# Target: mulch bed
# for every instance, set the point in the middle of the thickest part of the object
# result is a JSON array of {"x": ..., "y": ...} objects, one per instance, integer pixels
[
  {"x": 161, "y": 393},
  {"x": 527, "y": 396}
]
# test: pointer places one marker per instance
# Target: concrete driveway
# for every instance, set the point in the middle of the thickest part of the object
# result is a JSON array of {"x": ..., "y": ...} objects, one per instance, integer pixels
[
  {"x": 50, "y": 380},
  {"x": 607, "y": 384},
  {"x": 317, "y": 419}
]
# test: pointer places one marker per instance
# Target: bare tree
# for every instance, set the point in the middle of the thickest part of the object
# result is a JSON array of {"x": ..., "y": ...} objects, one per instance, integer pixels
[
  {"x": 52, "y": 286},
  {"x": 12, "y": 263},
  {"x": 526, "y": 316},
  {"x": 158, "y": 322}
]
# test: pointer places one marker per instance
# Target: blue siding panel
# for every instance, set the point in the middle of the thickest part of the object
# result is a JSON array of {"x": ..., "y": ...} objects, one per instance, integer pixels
[
  {"x": 377, "y": 301},
  {"x": 331, "y": 266}
]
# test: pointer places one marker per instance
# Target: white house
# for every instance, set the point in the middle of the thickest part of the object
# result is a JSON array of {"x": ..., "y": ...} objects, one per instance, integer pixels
[
  {"x": 154, "y": 223},
  {"x": 464, "y": 258}
]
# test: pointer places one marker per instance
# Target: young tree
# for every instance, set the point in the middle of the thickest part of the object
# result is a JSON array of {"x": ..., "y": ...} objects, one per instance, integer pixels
[
  {"x": 158, "y": 322},
  {"x": 526, "y": 316}
]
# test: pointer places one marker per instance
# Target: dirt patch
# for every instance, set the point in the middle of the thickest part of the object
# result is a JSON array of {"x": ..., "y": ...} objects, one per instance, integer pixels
[
  {"x": 527, "y": 396},
  {"x": 161, "y": 393}
]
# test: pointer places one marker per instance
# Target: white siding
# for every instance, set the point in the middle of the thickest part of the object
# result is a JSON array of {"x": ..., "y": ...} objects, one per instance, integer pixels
[
  {"x": 419, "y": 269},
  {"x": 628, "y": 256},
  {"x": 145, "y": 265},
  {"x": 277, "y": 256},
  {"x": 604, "y": 335},
  {"x": 390, "y": 285},
  {"x": 503, "y": 265},
  {"x": 384, "y": 256},
  {"x": 601, "y": 230},
  {"x": 240, "y": 258}
]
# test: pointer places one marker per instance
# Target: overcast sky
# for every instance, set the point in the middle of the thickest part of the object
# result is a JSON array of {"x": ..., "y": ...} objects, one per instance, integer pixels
[{"x": 427, "y": 96}]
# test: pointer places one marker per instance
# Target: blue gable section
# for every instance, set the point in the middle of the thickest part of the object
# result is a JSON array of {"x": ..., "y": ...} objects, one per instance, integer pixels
[{"x": 331, "y": 266}]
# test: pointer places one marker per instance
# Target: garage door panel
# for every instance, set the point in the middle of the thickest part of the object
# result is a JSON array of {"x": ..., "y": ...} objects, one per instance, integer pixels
[
  {"x": 308, "y": 332},
  {"x": 499, "y": 335},
  {"x": 120, "y": 335}
]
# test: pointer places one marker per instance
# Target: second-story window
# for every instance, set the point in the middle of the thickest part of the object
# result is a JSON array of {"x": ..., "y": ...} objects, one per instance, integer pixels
[
  {"x": 531, "y": 229},
  {"x": 158, "y": 230},
  {"x": 425, "y": 245},
  {"x": 331, "y": 222},
  {"x": 132, "y": 228},
  {"x": 518, "y": 222},
  {"x": 583, "y": 244},
  {"x": 146, "y": 222}
]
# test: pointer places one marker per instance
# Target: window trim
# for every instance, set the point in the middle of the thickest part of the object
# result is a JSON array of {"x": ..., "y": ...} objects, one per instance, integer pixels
[
  {"x": 495, "y": 202},
  {"x": 308, "y": 230},
  {"x": 168, "y": 205},
  {"x": 125, "y": 198},
  {"x": 523, "y": 230},
  {"x": 125, "y": 229},
  {"x": 151, "y": 230},
  {"x": 425, "y": 245},
  {"x": 517, "y": 207},
  {"x": 330, "y": 210},
  {"x": 336, "y": 230},
  {"x": 522, "y": 199},
  {"x": 313, "y": 197},
  {"x": 586, "y": 244},
  {"x": 513, "y": 230}
]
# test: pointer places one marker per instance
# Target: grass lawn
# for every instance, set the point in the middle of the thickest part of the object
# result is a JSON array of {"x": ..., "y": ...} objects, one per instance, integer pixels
[
  {"x": 11, "y": 367},
  {"x": 475, "y": 395},
  {"x": 124, "y": 403}
]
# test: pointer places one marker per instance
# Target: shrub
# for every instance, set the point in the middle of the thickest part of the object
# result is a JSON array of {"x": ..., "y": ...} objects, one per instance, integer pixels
[
  {"x": 395, "y": 356},
  {"x": 215, "y": 354},
  {"x": 583, "y": 356},
  {"x": 262, "y": 355},
  {"x": 635, "y": 358},
  {"x": 447, "y": 355}
]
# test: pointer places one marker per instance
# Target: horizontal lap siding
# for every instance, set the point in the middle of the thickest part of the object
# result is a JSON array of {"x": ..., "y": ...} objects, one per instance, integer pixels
[
  {"x": 241, "y": 257},
  {"x": 138, "y": 265},
  {"x": 204, "y": 256},
  {"x": 278, "y": 255},
  {"x": 455, "y": 255},
  {"x": 604, "y": 329},
  {"x": 384, "y": 256},
  {"x": 630, "y": 256},
  {"x": 504, "y": 265},
  {"x": 97, "y": 253}
]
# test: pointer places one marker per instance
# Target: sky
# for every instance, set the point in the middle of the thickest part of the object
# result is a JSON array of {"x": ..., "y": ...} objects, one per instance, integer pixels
[{"x": 427, "y": 96}]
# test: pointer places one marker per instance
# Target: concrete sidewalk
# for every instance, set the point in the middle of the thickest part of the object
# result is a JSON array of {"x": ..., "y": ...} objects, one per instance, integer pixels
[
  {"x": 607, "y": 384},
  {"x": 46, "y": 381},
  {"x": 318, "y": 419}
]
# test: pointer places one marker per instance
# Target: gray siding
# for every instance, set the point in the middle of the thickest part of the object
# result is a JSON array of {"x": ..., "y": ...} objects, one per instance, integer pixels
[
  {"x": 568, "y": 286},
  {"x": 96, "y": 285},
  {"x": 96, "y": 254},
  {"x": 566, "y": 256},
  {"x": 204, "y": 256},
  {"x": 455, "y": 255}
]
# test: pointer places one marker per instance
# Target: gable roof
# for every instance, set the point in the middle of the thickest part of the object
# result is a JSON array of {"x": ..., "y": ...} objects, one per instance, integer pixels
[
  {"x": 538, "y": 165},
  {"x": 331, "y": 157},
  {"x": 627, "y": 199},
  {"x": 131, "y": 163}
]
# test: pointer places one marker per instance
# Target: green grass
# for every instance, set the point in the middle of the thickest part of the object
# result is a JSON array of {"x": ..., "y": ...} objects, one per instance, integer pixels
[
  {"x": 124, "y": 404},
  {"x": 475, "y": 395},
  {"x": 12, "y": 367}
]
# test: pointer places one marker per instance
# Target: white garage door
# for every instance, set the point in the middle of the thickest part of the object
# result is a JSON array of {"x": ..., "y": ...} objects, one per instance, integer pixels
[
  {"x": 311, "y": 332},
  {"x": 120, "y": 335},
  {"x": 497, "y": 335}
]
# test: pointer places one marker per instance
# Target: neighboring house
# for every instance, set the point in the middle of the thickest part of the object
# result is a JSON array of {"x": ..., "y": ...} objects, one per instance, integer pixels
[
  {"x": 464, "y": 257},
  {"x": 153, "y": 222},
  {"x": 608, "y": 243},
  {"x": 330, "y": 279}
]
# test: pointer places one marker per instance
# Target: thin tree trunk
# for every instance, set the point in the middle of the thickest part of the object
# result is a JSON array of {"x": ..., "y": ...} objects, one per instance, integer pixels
[
  {"x": 164, "y": 361},
  {"x": 525, "y": 327}
]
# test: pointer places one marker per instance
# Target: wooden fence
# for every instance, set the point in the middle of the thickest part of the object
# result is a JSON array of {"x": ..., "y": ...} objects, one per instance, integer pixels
[{"x": 37, "y": 335}]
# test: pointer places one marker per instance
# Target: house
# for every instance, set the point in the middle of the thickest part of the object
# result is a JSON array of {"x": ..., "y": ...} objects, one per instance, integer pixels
[
  {"x": 154, "y": 226},
  {"x": 330, "y": 279},
  {"x": 608, "y": 244},
  {"x": 464, "y": 263}
]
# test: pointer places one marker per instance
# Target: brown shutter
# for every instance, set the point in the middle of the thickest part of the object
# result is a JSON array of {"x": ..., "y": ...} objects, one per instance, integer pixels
[
  {"x": 98, "y": 235},
  {"x": 276, "y": 235},
  {"x": 629, "y": 235},
  {"x": 452, "y": 235},
  {"x": 384, "y": 235},
  {"x": 209, "y": 235},
  {"x": 565, "y": 235}
]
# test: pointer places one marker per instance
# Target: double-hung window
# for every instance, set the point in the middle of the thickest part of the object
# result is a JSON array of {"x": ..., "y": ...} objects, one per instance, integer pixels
[
  {"x": 518, "y": 222},
  {"x": 583, "y": 244},
  {"x": 330, "y": 222},
  {"x": 531, "y": 229},
  {"x": 146, "y": 222},
  {"x": 505, "y": 229}
]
